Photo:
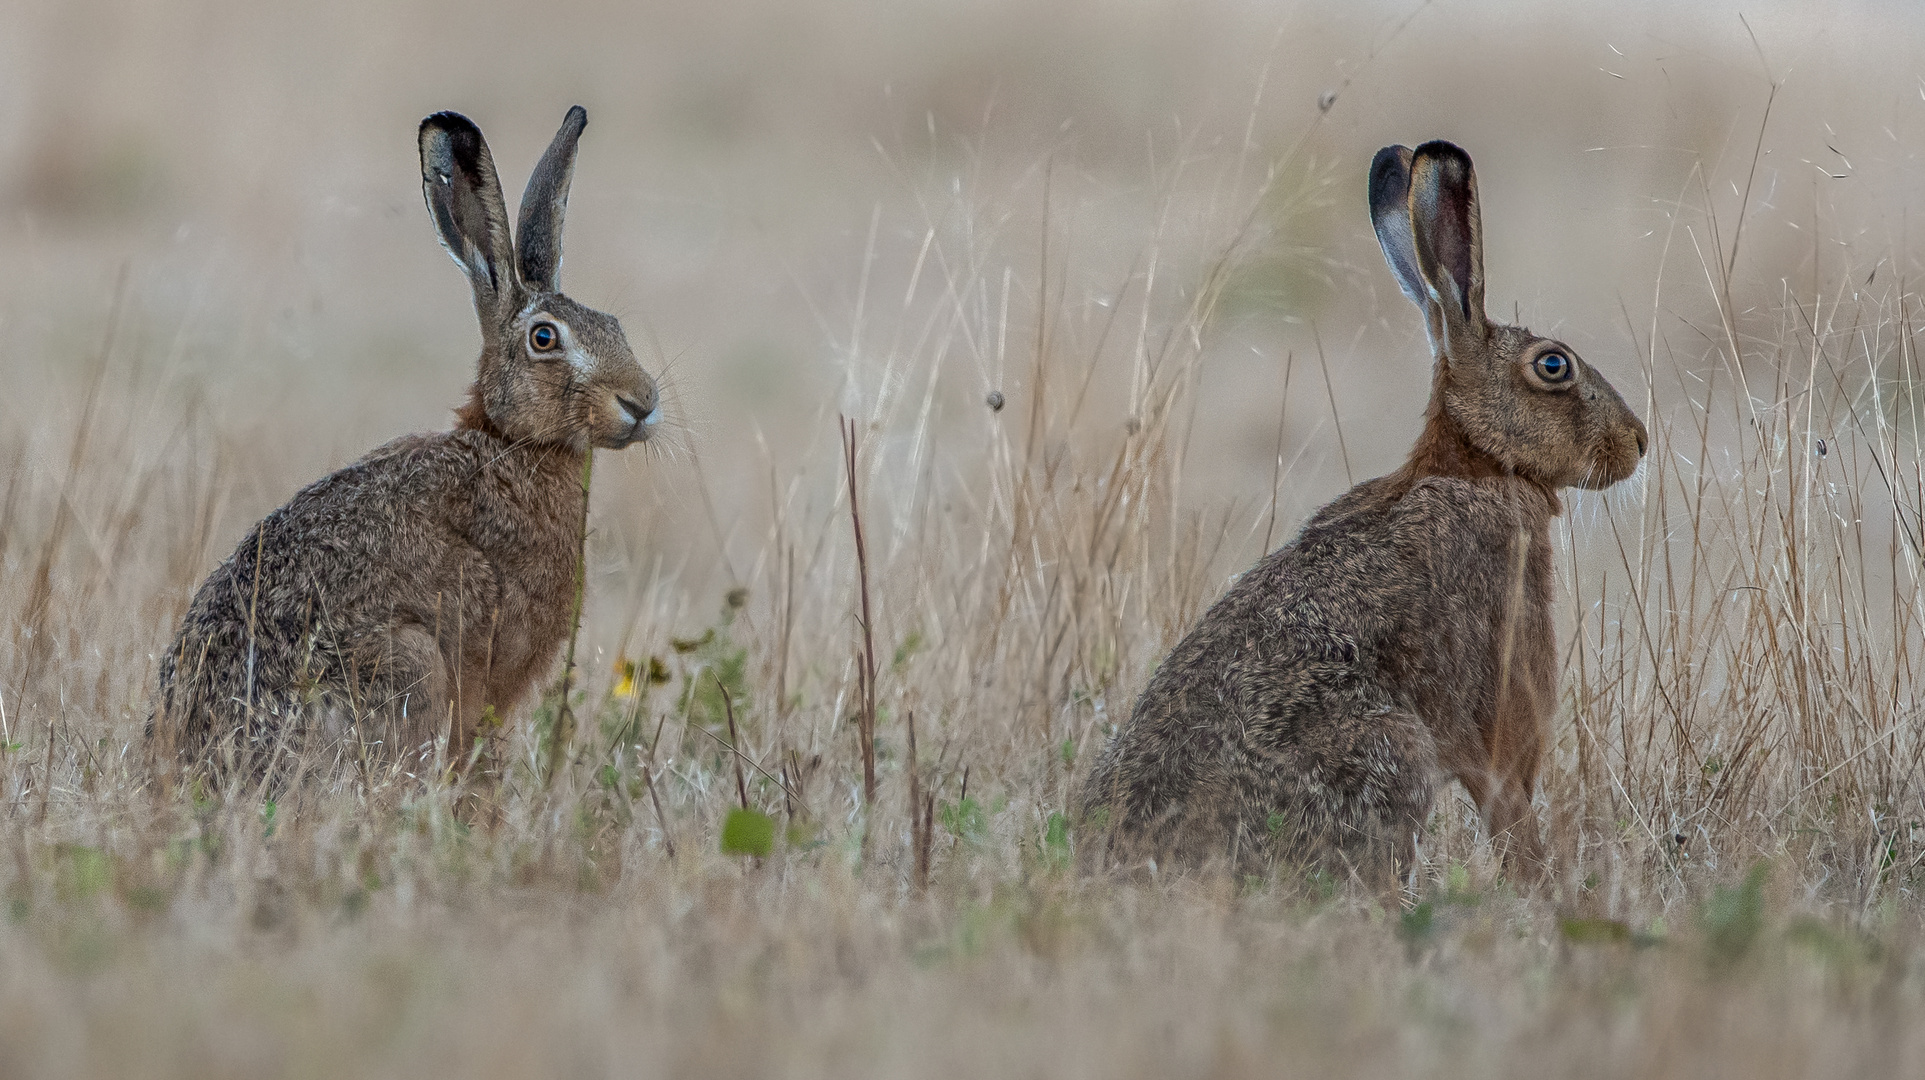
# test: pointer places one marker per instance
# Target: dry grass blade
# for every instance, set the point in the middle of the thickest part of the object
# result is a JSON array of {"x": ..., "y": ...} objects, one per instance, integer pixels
[
  {"x": 563, "y": 732},
  {"x": 1055, "y": 354},
  {"x": 866, "y": 685},
  {"x": 918, "y": 819}
]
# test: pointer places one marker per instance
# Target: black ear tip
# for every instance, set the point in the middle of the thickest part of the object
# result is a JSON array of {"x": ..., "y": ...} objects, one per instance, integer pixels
[
  {"x": 450, "y": 122},
  {"x": 1389, "y": 178},
  {"x": 1390, "y": 157},
  {"x": 457, "y": 133},
  {"x": 1447, "y": 154},
  {"x": 577, "y": 117}
]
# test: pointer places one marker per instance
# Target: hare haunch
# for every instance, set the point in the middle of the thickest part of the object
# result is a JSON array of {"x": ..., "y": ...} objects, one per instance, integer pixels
[
  {"x": 1405, "y": 634},
  {"x": 400, "y": 597}
]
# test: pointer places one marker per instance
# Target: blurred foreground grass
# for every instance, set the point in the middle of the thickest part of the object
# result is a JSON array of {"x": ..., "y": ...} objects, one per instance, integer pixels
[{"x": 1190, "y": 339}]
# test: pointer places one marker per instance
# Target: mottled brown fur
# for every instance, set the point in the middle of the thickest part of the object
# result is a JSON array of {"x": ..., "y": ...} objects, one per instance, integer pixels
[
  {"x": 401, "y": 597},
  {"x": 1405, "y": 634}
]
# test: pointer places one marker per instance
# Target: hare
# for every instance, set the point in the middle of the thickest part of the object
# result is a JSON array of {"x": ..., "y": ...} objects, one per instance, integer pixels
[
  {"x": 433, "y": 579},
  {"x": 1405, "y": 634}
]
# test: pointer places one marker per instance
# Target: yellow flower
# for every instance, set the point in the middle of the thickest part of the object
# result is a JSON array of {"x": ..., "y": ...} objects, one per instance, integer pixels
[{"x": 625, "y": 678}]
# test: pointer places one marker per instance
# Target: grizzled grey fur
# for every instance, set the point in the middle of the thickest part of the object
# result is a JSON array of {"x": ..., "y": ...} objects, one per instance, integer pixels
[
  {"x": 1405, "y": 635},
  {"x": 403, "y": 597}
]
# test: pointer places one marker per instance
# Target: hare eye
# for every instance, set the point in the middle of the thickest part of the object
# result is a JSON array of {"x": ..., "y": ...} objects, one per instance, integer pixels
[
  {"x": 543, "y": 337},
  {"x": 1553, "y": 367}
]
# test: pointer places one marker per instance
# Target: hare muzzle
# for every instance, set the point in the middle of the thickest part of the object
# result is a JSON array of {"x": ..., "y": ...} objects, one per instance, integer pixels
[
  {"x": 1615, "y": 456},
  {"x": 638, "y": 418}
]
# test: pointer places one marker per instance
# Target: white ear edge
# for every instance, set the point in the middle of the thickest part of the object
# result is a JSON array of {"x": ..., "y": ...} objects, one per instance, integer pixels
[
  {"x": 472, "y": 261},
  {"x": 1399, "y": 247}
]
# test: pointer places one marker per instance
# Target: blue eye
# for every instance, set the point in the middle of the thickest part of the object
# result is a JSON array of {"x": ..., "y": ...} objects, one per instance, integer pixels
[{"x": 1553, "y": 367}]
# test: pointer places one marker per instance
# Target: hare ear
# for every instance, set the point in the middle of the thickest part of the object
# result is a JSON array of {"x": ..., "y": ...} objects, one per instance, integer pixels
[
  {"x": 538, "y": 235},
  {"x": 1449, "y": 237},
  {"x": 1390, "y": 216},
  {"x": 464, "y": 198}
]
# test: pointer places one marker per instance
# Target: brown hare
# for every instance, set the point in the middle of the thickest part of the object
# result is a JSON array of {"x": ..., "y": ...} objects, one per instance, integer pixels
[
  {"x": 402, "y": 596},
  {"x": 1406, "y": 631}
]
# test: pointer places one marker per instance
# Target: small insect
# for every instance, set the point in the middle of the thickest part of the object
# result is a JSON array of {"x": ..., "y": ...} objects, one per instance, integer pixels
[{"x": 1821, "y": 448}]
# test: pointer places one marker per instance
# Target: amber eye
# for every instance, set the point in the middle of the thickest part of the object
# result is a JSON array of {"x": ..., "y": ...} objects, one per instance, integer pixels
[
  {"x": 543, "y": 337},
  {"x": 1552, "y": 367}
]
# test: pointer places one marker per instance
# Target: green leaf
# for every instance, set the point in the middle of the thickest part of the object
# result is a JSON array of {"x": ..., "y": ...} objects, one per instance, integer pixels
[
  {"x": 689, "y": 645},
  {"x": 1056, "y": 838},
  {"x": 1417, "y": 924},
  {"x": 89, "y": 871},
  {"x": 148, "y": 898},
  {"x": 1595, "y": 931},
  {"x": 802, "y": 836},
  {"x": 748, "y": 832},
  {"x": 965, "y": 820},
  {"x": 909, "y": 647},
  {"x": 1839, "y": 948},
  {"x": 1733, "y": 917},
  {"x": 712, "y": 663}
]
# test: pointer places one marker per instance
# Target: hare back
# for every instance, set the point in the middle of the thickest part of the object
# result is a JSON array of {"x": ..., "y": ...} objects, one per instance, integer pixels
[
  {"x": 1312, "y": 705},
  {"x": 388, "y": 600}
]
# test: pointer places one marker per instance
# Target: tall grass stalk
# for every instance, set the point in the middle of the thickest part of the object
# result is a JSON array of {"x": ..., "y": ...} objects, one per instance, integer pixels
[{"x": 563, "y": 733}]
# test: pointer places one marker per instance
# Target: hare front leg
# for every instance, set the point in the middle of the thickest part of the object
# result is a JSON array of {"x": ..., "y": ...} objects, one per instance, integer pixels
[
  {"x": 1503, "y": 791},
  {"x": 1514, "y": 832}
]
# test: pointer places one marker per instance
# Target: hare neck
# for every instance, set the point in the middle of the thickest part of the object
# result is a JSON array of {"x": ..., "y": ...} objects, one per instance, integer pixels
[
  {"x": 472, "y": 415},
  {"x": 1442, "y": 449}
]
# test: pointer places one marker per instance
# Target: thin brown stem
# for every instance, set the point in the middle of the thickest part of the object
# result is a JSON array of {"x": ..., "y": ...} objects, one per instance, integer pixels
[
  {"x": 866, "y": 720},
  {"x": 735, "y": 743}
]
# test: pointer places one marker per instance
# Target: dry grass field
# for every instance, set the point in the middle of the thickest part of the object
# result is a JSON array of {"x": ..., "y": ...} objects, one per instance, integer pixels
[{"x": 1142, "y": 225}]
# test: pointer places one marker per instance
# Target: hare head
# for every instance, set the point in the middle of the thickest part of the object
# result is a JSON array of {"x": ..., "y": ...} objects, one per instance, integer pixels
[
  {"x": 552, "y": 370},
  {"x": 1523, "y": 404}
]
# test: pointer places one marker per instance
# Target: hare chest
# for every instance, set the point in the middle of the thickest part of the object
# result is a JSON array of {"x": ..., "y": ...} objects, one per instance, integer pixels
[
  {"x": 523, "y": 537},
  {"x": 1485, "y": 686}
]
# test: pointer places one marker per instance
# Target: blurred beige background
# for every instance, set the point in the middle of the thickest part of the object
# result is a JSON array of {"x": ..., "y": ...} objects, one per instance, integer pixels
[{"x": 758, "y": 180}]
